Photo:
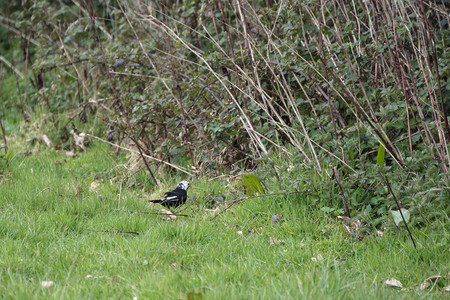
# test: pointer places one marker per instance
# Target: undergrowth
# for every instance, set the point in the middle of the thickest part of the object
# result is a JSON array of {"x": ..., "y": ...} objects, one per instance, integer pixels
[{"x": 55, "y": 227}]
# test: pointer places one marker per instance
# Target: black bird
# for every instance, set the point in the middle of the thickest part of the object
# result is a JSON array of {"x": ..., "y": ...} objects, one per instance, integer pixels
[{"x": 176, "y": 197}]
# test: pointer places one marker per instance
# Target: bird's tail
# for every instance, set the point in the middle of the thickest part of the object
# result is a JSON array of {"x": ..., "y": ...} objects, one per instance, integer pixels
[{"x": 155, "y": 201}]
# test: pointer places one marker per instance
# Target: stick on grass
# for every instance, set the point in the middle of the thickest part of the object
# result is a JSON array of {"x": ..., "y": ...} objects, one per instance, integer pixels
[
  {"x": 344, "y": 201},
  {"x": 400, "y": 210}
]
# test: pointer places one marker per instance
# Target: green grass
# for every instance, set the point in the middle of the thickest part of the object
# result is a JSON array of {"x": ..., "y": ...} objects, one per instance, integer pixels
[{"x": 50, "y": 225}]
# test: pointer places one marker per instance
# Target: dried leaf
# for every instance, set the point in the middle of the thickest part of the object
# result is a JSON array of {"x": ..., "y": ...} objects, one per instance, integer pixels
[
  {"x": 89, "y": 276},
  {"x": 170, "y": 215},
  {"x": 446, "y": 289},
  {"x": 94, "y": 185},
  {"x": 79, "y": 139},
  {"x": 69, "y": 153},
  {"x": 350, "y": 225},
  {"x": 113, "y": 279},
  {"x": 274, "y": 240},
  {"x": 194, "y": 296},
  {"x": 318, "y": 257},
  {"x": 46, "y": 140},
  {"x": 47, "y": 284},
  {"x": 392, "y": 282},
  {"x": 239, "y": 232},
  {"x": 427, "y": 282}
]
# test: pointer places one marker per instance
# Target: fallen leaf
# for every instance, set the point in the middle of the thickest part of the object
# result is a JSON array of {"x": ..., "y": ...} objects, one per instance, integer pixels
[
  {"x": 69, "y": 153},
  {"x": 446, "y": 289},
  {"x": 252, "y": 185},
  {"x": 79, "y": 139},
  {"x": 398, "y": 217},
  {"x": 89, "y": 276},
  {"x": 274, "y": 240},
  {"x": 318, "y": 257},
  {"x": 113, "y": 279},
  {"x": 47, "y": 284},
  {"x": 239, "y": 232},
  {"x": 351, "y": 226},
  {"x": 194, "y": 296},
  {"x": 427, "y": 282},
  {"x": 392, "y": 282},
  {"x": 94, "y": 185},
  {"x": 170, "y": 215},
  {"x": 380, "y": 233},
  {"x": 32, "y": 140},
  {"x": 276, "y": 218},
  {"x": 46, "y": 140}
]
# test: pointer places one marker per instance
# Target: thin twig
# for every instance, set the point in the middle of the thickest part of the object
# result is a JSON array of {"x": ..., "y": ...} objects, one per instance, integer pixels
[
  {"x": 120, "y": 192},
  {"x": 399, "y": 209},
  {"x": 118, "y": 231},
  {"x": 344, "y": 201},
  {"x": 49, "y": 68},
  {"x": 259, "y": 196},
  {"x": 199, "y": 94},
  {"x": 223, "y": 210},
  {"x": 47, "y": 188},
  {"x": 232, "y": 202},
  {"x": 11, "y": 66},
  {"x": 143, "y": 158},
  {"x": 152, "y": 213},
  {"x": 5, "y": 146},
  {"x": 146, "y": 155}
]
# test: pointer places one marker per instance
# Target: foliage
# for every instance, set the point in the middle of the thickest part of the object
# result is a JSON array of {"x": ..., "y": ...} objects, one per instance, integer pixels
[{"x": 227, "y": 86}]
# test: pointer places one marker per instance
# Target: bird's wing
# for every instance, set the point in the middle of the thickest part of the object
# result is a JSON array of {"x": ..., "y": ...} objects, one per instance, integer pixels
[{"x": 171, "y": 197}]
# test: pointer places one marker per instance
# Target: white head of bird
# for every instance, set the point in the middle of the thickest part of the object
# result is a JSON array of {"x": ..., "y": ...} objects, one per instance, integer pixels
[{"x": 184, "y": 185}]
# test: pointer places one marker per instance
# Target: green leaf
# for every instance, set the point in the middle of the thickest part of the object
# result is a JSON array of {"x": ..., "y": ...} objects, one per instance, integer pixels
[
  {"x": 10, "y": 156},
  {"x": 90, "y": 180},
  {"x": 252, "y": 184},
  {"x": 398, "y": 217},
  {"x": 380, "y": 155}
]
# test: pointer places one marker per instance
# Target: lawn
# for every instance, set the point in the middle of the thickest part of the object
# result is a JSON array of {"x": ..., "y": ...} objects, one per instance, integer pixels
[{"x": 54, "y": 227}]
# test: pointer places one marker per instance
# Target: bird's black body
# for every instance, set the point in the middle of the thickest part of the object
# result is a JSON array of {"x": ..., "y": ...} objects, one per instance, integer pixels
[{"x": 176, "y": 197}]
